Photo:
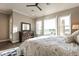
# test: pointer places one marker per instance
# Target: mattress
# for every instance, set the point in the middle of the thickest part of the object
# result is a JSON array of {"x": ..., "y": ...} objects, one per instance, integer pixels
[{"x": 48, "y": 46}]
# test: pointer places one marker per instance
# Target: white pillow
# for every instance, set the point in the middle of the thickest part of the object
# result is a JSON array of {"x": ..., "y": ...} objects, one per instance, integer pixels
[{"x": 77, "y": 39}]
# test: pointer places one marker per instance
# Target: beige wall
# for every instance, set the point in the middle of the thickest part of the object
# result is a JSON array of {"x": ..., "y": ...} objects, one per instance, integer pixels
[
  {"x": 4, "y": 27},
  {"x": 75, "y": 18},
  {"x": 74, "y": 15},
  {"x": 17, "y": 19}
]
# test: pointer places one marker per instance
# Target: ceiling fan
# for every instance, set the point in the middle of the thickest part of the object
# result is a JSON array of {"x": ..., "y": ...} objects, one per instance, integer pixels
[{"x": 36, "y": 5}]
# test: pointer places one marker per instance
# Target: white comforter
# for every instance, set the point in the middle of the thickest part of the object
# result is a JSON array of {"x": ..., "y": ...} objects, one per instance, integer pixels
[{"x": 48, "y": 46}]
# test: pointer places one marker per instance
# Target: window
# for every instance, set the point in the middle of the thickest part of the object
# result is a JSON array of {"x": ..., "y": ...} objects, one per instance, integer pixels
[
  {"x": 38, "y": 27},
  {"x": 55, "y": 26},
  {"x": 65, "y": 25},
  {"x": 50, "y": 26}
]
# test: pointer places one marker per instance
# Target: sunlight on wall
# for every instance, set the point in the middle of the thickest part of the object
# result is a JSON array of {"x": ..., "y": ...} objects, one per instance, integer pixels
[{"x": 14, "y": 29}]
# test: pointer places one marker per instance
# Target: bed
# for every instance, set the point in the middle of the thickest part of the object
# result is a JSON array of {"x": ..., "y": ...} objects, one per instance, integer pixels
[{"x": 48, "y": 46}]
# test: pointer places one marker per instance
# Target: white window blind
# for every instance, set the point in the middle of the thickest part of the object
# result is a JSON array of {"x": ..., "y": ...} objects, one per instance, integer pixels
[
  {"x": 65, "y": 25},
  {"x": 38, "y": 27},
  {"x": 50, "y": 26}
]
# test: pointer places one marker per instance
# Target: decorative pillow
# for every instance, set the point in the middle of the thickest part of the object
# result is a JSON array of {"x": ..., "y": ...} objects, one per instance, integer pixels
[
  {"x": 69, "y": 39},
  {"x": 74, "y": 34},
  {"x": 77, "y": 39},
  {"x": 72, "y": 38}
]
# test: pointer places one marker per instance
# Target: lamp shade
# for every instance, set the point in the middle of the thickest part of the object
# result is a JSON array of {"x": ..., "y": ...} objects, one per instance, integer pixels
[{"x": 75, "y": 27}]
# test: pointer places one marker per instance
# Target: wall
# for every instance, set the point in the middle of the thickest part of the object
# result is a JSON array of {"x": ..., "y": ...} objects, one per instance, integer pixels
[
  {"x": 17, "y": 19},
  {"x": 74, "y": 16},
  {"x": 4, "y": 27}
]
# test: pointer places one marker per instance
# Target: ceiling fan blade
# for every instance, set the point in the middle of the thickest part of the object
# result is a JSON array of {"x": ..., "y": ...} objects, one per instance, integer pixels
[
  {"x": 30, "y": 5},
  {"x": 39, "y": 8}
]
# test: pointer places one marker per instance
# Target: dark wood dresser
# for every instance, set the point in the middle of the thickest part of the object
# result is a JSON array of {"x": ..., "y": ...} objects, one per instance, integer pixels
[{"x": 24, "y": 35}]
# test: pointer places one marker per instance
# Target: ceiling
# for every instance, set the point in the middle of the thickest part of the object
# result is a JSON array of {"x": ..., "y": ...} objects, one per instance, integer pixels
[{"x": 47, "y": 8}]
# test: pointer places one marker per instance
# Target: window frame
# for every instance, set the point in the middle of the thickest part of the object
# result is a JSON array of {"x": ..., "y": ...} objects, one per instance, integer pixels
[
  {"x": 57, "y": 23},
  {"x": 70, "y": 22}
]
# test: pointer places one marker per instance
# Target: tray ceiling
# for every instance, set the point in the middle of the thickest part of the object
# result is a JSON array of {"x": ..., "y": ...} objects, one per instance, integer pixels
[{"x": 34, "y": 12}]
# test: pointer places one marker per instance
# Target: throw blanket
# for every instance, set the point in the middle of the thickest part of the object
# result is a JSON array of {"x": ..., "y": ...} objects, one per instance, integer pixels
[
  {"x": 48, "y": 46},
  {"x": 9, "y": 52}
]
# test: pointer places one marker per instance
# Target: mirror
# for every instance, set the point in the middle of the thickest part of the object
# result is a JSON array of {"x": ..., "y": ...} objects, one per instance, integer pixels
[{"x": 25, "y": 26}]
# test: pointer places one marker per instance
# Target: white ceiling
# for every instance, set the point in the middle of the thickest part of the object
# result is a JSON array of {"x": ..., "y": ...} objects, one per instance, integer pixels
[{"x": 46, "y": 9}]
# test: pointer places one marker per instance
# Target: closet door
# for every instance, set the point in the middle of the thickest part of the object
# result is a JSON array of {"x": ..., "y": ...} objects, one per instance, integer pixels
[{"x": 4, "y": 27}]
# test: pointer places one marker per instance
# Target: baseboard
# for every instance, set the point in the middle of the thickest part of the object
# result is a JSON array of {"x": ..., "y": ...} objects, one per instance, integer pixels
[
  {"x": 9, "y": 40},
  {"x": 4, "y": 40},
  {"x": 15, "y": 41}
]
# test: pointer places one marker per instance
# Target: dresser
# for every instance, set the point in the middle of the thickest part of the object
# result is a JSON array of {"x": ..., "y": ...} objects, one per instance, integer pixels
[{"x": 24, "y": 35}]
